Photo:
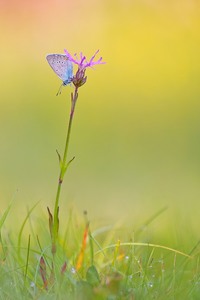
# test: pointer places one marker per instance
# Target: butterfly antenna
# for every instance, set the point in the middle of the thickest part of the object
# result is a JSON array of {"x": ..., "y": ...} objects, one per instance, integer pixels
[{"x": 60, "y": 90}]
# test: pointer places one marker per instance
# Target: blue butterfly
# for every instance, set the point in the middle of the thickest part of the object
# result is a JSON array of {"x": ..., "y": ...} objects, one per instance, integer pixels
[{"x": 62, "y": 66}]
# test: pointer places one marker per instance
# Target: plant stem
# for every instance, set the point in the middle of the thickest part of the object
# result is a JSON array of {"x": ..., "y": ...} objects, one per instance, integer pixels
[{"x": 63, "y": 167}]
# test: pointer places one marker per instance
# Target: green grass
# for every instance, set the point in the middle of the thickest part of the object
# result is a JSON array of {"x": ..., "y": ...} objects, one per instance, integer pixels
[{"x": 108, "y": 262}]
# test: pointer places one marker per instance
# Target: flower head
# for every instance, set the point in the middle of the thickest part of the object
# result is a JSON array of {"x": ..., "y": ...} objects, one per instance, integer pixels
[
  {"x": 79, "y": 79},
  {"x": 82, "y": 62}
]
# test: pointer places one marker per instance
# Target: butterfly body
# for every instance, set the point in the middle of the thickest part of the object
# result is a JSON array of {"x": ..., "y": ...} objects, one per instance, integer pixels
[{"x": 61, "y": 66}]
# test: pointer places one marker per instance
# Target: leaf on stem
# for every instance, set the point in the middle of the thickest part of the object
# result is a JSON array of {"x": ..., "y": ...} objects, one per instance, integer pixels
[
  {"x": 67, "y": 165},
  {"x": 59, "y": 158},
  {"x": 50, "y": 222}
]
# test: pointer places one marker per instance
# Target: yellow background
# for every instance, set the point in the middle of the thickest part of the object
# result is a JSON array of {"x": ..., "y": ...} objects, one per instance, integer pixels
[{"x": 136, "y": 132}]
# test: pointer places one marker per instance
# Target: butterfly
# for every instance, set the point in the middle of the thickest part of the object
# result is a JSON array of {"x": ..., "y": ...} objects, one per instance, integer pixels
[{"x": 62, "y": 66}]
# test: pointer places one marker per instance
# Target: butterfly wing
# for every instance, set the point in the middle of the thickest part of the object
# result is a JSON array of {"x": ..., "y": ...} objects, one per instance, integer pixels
[{"x": 61, "y": 66}]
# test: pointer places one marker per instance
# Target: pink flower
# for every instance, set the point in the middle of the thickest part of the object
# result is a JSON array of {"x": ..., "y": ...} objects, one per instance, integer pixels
[
  {"x": 82, "y": 62},
  {"x": 79, "y": 78}
]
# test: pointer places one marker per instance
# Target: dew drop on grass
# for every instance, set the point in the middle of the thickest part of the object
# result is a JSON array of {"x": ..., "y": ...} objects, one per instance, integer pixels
[
  {"x": 150, "y": 284},
  {"x": 73, "y": 270}
]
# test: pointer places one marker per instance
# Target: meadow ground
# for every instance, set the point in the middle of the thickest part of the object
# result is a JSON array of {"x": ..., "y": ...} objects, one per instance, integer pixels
[{"x": 98, "y": 262}]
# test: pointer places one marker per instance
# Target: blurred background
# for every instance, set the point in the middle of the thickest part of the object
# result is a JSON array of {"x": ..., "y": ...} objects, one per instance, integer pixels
[{"x": 136, "y": 131}]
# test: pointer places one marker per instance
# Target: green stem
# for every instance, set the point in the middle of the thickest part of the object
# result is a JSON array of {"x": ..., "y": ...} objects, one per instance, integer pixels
[{"x": 63, "y": 167}]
